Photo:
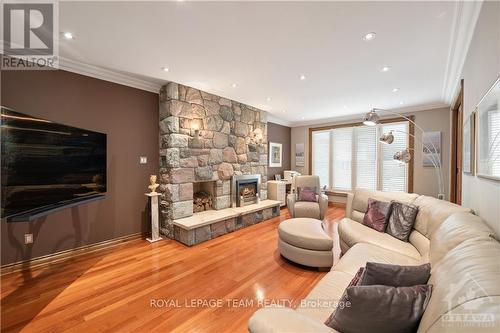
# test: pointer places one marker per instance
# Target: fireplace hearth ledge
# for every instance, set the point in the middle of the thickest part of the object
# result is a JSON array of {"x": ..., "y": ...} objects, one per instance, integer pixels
[
  {"x": 211, "y": 216},
  {"x": 210, "y": 224}
]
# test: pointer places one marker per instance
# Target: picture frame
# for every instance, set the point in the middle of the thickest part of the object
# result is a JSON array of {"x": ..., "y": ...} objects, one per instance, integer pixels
[
  {"x": 275, "y": 155},
  {"x": 431, "y": 141},
  {"x": 300, "y": 160},
  {"x": 488, "y": 134},
  {"x": 469, "y": 145}
]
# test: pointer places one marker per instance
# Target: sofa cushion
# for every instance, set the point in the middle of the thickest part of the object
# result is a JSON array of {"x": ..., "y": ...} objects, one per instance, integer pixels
[
  {"x": 432, "y": 212},
  {"x": 305, "y": 233},
  {"x": 468, "y": 272},
  {"x": 395, "y": 275},
  {"x": 456, "y": 229},
  {"x": 322, "y": 300},
  {"x": 361, "y": 253},
  {"x": 377, "y": 215},
  {"x": 306, "y": 209},
  {"x": 379, "y": 308},
  {"x": 352, "y": 233},
  {"x": 401, "y": 220},
  {"x": 275, "y": 319}
]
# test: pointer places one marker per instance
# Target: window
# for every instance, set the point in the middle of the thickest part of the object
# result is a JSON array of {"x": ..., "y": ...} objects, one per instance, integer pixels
[
  {"x": 494, "y": 142},
  {"x": 348, "y": 157},
  {"x": 393, "y": 174},
  {"x": 342, "y": 158},
  {"x": 320, "y": 157}
]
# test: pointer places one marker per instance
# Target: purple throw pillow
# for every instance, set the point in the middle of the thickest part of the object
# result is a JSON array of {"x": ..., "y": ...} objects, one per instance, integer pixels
[
  {"x": 357, "y": 278},
  {"x": 307, "y": 194},
  {"x": 377, "y": 215}
]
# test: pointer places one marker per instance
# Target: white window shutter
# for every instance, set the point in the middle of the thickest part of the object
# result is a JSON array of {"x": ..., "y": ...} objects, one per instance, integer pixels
[
  {"x": 342, "y": 158},
  {"x": 366, "y": 157},
  {"x": 320, "y": 156}
]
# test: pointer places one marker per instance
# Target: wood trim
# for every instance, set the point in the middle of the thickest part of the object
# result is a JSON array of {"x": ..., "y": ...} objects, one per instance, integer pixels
[
  {"x": 411, "y": 164},
  {"x": 456, "y": 147},
  {"x": 49, "y": 259},
  {"x": 337, "y": 194},
  {"x": 411, "y": 142}
]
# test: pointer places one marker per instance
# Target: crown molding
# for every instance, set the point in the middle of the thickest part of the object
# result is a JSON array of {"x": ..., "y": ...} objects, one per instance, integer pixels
[
  {"x": 464, "y": 23},
  {"x": 126, "y": 79},
  {"x": 275, "y": 120},
  {"x": 359, "y": 116}
]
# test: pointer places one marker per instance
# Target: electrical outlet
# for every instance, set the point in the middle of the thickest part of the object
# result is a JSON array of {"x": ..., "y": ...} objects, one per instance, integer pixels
[
  {"x": 28, "y": 238},
  {"x": 143, "y": 160}
]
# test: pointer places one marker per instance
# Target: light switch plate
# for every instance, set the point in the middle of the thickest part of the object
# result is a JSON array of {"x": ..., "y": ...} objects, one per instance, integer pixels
[
  {"x": 28, "y": 238},
  {"x": 143, "y": 160}
]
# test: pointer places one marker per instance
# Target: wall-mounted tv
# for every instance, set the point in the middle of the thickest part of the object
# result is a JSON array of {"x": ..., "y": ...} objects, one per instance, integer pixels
[{"x": 46, "y": 165}]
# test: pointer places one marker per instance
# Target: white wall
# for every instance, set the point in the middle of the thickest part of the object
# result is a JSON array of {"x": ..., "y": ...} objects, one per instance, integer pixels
[
  {"x": 425, "y": 178},
  {"x": 481, "y": 69}
]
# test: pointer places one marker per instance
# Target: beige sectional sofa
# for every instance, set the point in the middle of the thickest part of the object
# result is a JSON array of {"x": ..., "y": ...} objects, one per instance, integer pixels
[{"x": 464, "y": 256}]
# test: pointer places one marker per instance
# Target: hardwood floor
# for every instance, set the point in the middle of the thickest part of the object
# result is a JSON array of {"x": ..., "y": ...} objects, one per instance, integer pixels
[{"x": 112, "y": 290}]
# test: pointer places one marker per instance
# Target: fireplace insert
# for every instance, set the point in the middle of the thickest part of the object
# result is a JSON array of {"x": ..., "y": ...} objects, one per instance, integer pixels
[{"x": 245, "y": 190}]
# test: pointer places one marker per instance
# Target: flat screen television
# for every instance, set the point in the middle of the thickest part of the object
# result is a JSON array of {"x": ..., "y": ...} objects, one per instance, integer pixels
[{"x": 46, "y": 165}]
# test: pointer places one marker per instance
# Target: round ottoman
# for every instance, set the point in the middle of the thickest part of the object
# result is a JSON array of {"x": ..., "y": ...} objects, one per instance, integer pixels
[{"x": 303, "y": 240}]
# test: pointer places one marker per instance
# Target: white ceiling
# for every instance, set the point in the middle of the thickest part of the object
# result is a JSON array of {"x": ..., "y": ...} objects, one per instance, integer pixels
[{"x": 264, "y": 47}]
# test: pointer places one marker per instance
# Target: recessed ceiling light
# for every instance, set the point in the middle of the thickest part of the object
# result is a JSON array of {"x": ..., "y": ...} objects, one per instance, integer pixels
[
  {"x": 234, "y": 85},
  {"x": 395, "y": 89},
  {"x": 385, "y": 68},
  {"x": 302, "y": 77},
  {"x": 68, "y": 35},
  {"x": 283, "y": 111},
  {"x": 165, "y": 69},
  {"x": 401, "y": 103},
  {"x": 369, "y": 36},
  {"x": 268, "y": 99},
  {"x": 303, "y": 118},
  {"x": 345, "y": 107}
]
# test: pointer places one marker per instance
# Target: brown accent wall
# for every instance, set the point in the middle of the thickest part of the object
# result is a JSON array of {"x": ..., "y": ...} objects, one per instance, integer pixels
[
  {"x": 128, "y": 116},
  {"x": 280, "y": 134}
]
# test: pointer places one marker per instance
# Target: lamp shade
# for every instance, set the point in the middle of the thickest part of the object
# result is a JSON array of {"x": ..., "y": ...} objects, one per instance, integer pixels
[
  {"x": 387, "y": 138},
  {"x": 403, "y": 156},
  {"x": 371, "y": 118}
]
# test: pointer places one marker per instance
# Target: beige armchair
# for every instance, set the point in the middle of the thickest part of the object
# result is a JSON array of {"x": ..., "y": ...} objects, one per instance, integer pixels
[{"x": 315, "y": 210}]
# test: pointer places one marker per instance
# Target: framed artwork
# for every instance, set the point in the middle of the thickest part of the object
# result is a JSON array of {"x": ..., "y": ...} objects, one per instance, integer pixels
[
  {"x": 431, "y": 148},
  {"x": 275, "y": 154},
  {"x": 468, "y": 145},
  {"x": 299, "y": 155},
  {"x": 488, "y": 134}
]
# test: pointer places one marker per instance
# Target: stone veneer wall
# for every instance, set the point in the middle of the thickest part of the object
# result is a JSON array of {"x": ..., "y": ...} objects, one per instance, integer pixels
[{"x": 223, "y": 150}]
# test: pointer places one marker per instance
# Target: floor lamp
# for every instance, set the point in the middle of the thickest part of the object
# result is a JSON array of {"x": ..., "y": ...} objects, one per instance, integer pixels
[{"x": 404, "y": 156}]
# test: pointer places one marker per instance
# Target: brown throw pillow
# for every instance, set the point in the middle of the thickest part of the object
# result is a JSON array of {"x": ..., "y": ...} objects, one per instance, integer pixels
[
  {"x": 381, "y": 309},
  {"x": 402, "y": 220},
  {"x": 377, "y": 214},
  {"x": 395, "y": 275},
  {"x": 307, "y": 194}
]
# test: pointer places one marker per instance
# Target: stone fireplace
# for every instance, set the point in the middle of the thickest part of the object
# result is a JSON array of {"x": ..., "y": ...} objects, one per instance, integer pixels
[
  {"x": 245, "y": 190},
  {"x": 205, "y": 140}
]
